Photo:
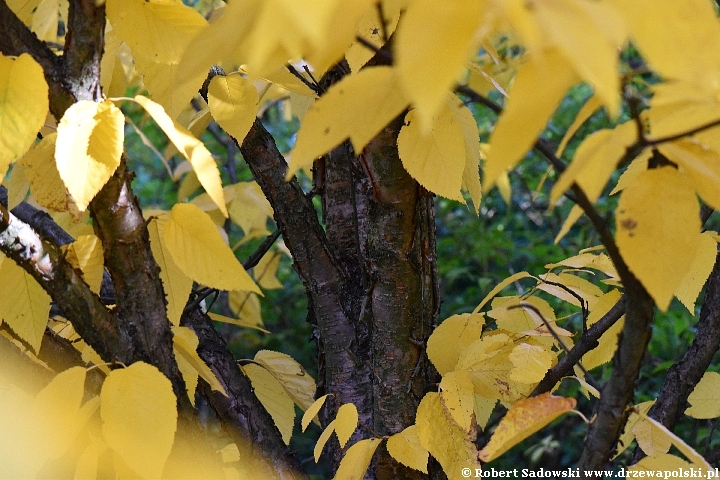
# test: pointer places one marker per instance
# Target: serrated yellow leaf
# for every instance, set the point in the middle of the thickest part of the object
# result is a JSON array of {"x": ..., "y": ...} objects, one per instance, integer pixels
[
  {"x": 458, "y": 397},
  {"x": 23, "y": 106},
  {"x": 700, "y": 163},
  {"x": 587, "y": 110},
  {"x": 626, "y": 437},
  {"x": 371, "y": 28},
  {"x": 694, "y": 280},
  {"x": 637, "y": 166},
  {"x": 24, "y": 305},
  {"x": 233, "y": 102},
  {"x": 17, "y": 186},
  {"x": 663, "y": 462},
  {"x": 266, "y": 269},
  {"x": 443, "y": 438},
  {"x": 246, "y": 305},
  {"x": 509, "y": 317},
  {"x": 199, "y": 251},
  {"x": 434, "y": 41},
  {"x": 483, "y": 408},
  {"x": 651, "y": 440},
  {"x": 531, "y": 363},
  {"x": 658, "y": 230},
  {"x": 689, "y": 452},
  {"x": 185, "y": 343},
  {"x": 139, "y": 413},
  {"x": 587, "y": 291},
  {"x": 459, "y": 330},
  {"x": 346, "y": 422},
  {"x": 471, "y": 134},
  {"x": 249, "y": 209},
  {"x": 322, "y": 440},
  {"x": 575, "y": 213},
  {"x": 86, "y": 254},
  {"x": 511, "y": 279},
  {"x": 157, "y": 30},
  {"x": 522, "y": 420},
  {"x": 607, "y": 343},
  {"x": 356, "y": 460},
  {"x": 46, "y": 185},
  {"x": 160, "y": 80},
  {"x": 176, "y": 284},
  {"x": 274, "y": 398},
  {"x": 191, "y": 148},
  {"x": 539, "y": 86},
  {"x": 88, "y": 148},
  {"x": 312, "y": 412},
  {"x": 405, "y": 448},
  {"x": 189, "y": 375},
  {"x": 595, "y": 160},
  {"x": 291, "y": 375},
  {"x": 434, "y": 157},
  {"x": 357, "y": 107},
  {"x": 234, "y": 321},
  {"x": 704, "y": 398}
]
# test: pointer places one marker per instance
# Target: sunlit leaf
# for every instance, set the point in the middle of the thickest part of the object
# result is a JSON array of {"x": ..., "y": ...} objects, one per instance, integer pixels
[
  {"x": 346, "y": 422},
  {"x": 312, "y": 412},
  {"x": 23, "y": 106},
  {"x": 658, "y": 230},
  {"x": 531, "y": 363},
  {"x": 274, "y": 398},
  {"x": 457, "y": 397},
  {"x": 460, "y": 330},
  {"x": 198, "y": 250},
  {"x": 233, "y": 104},
  {"x": 291, "y": 375},
  {"x": 704, "y": 398},
  {"x": 694, "y": 280},
  {"x": 357, "y": 459},
  {"x": 185, "y": 343},
  {"x": 405, "y": 448}
]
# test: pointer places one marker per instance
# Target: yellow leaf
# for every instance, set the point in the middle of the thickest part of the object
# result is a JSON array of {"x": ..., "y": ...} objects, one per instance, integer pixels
[
  {"x": 176, "y": 284},
  {"x": 587, "y": 291},
  {"x": 694, "y": 280},
  {"x": 324, "y": 437},
  {"x": 689, "y": 44},
  {"x": 86, "y": 254},
  {"x": 575, "y": 213},
  {"x": 24, "y": 305},
  {"x": 531, "y": 363},
  {"x": 246, "y": 305},
  {"x": 434, "y": 157},
  {"x": 233, "y": 104},
  {"x": 23, "y": 106},
  {"x": 704, "y": 398},
  {"x": 249, "y": 209},
  {"x": 595, "y": 161},
  {"x": 607, "y": 344},
  {"x": 443, "y": 438},
  {"x": 458, "y": 397},
  {"x": 185, "y": 343},
  {"x": 312, "y": 412},
  {"x": 191, "y": 148},
  {"x": 41, "y": 170},
  {"x": 23, "y": 9},
  {"x": 434, "y": 41},
  {"x": 274, "y": 398},
  {"x": 513, "y": 319},
  {"x": 17, "y": 186},
  {"x": 471, "y": 135},
  {"x": 636, "y": 167},
  {"x": 234, "y": 321},
  {"x": 57, "y": 408},
  {"x": 356, "y": 460},
  {"x": 539, "y": 86},
  {"x": 483, "y": 408},
  {"x": 627, "y": 436},
  {"x": 157, "y": 30},
  {"x": 357, "y": 107},
  {"x": 266, "y": 269},
  {"x": 405, "y": 448},
  {"x": 88, "y": 148},
  {"x": 188, "y": 372},
  {"x": 587, "y": 110},
  {"x": 87, "y": 464},
  {"x": 651, "y": 440},
  {"x": 200, "y": 252},
  {"x": 700, "y": 163},
  {"x": 663, "y": 462},
  {"x": 522, "y": 420},
  {"x": 459, "y": 330},
  {"x": 139, "y": 414},
  {"x": 291, "y": 375},
  {"x": 511, "y": 279},
  {"x": 371, "y": 28},
  {"x": 658, "y": 230},
  {"x": 346, "y": 422}
]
